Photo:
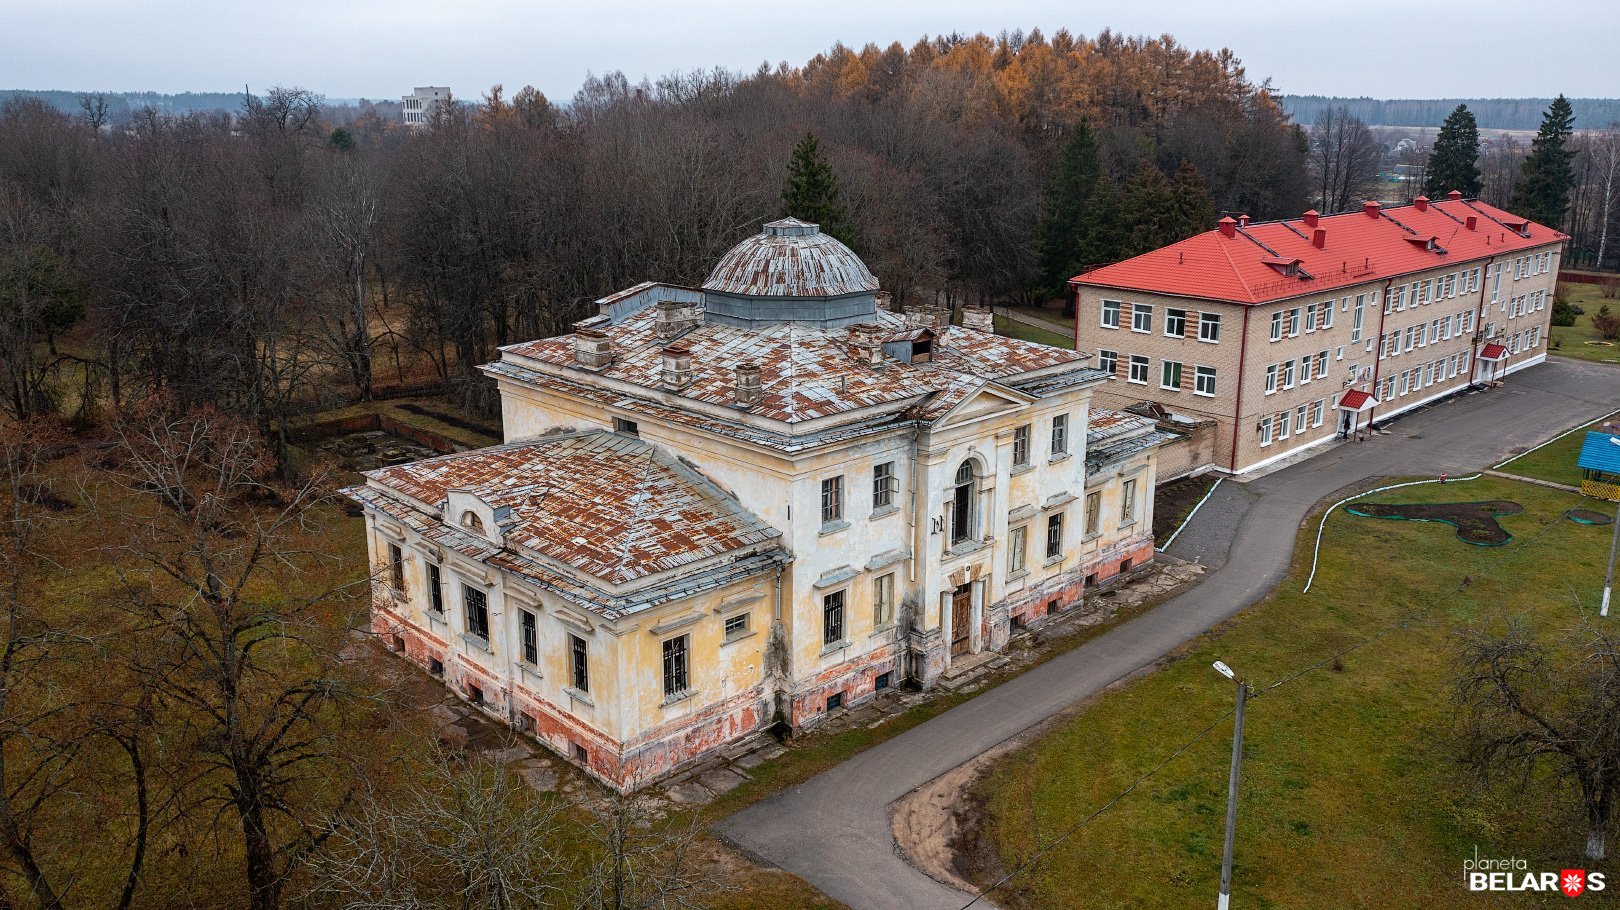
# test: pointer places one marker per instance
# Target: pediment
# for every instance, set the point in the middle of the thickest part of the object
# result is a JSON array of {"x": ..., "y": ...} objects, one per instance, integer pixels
[{"x": 988, "y": 401}]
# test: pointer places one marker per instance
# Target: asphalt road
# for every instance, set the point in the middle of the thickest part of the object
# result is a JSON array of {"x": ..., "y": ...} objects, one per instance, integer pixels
[{"x": 833, "y": 830}]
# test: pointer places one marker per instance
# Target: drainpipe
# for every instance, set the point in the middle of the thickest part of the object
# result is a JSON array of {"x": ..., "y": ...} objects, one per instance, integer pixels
[
  {"x": 1237, "y": 408},
  {"x": 1378, "y": 359},
  {"x": 1479, "y": 320},
  {"x": 1076, "y": 289}
]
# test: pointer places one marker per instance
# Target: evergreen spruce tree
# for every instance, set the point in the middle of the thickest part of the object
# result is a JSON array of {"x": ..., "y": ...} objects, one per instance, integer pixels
[
  {"x": 1064, "y": 246},
  {"x": 1149, "y": 206},
  {"x": 1194, "y": 206},
  {"x": 1105, "y": 233},
  {"x": 1548, "y": 173},
  {"x": 811, "y": 193},
  {"x": 1454, "y": 161}
]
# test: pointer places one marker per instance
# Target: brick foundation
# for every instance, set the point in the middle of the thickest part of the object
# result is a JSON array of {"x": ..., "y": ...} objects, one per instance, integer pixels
[{"x": 855, "y": 679}]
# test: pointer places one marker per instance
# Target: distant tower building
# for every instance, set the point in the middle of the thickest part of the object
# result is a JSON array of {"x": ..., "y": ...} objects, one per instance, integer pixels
[{"x": 418, "y": 106}]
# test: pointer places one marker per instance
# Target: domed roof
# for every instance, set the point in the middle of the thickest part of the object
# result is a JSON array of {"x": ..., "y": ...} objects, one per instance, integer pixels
[{"x": 791, "y": 258}]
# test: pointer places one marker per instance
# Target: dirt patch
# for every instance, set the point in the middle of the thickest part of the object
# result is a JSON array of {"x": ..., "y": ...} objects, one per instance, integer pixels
[
  {"x": 1174, "y": 501},
  {"x": 459, "y": 423},
  {"x": 1588, "y": 517},
  {"x": 1475, "y": 521}
]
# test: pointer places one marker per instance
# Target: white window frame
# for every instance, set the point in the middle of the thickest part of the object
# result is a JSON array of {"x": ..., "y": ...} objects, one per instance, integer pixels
[
  {"x": 1277, "y": 325},
  {"x": 1109, "y": 307},
  {"x": 1107, "y": 360},
  {"x": 1209, "y": 328},
  {"x": 1142, "y": 318},
  {"x": 1138, "y": 360},
  {"x": 1164, "y": 371},
  {"x": 1169, "y": 318},
  {"x": 1200, "y": 374}
]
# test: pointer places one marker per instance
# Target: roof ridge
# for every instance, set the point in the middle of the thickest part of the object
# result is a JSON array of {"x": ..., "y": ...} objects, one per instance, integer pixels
[
  {"x": 1236, "y": 272},
  {"x": 639, "y": 516}
]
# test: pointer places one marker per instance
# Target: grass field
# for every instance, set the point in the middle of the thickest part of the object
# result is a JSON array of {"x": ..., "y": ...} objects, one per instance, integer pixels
[
  {"x": 1011, "y": 329},
  {"x": 1555, "y": 461},
  {"x": 1350, "y": 785},
  {"x": 1574, "y": 340}
]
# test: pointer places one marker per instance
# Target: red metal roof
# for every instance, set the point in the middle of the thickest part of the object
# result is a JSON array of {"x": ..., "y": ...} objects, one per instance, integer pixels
[
  {"x": 1355, "y": 400},
  {"x": 1493, "y": 351},
  {"x": 1358, "y": 248}
]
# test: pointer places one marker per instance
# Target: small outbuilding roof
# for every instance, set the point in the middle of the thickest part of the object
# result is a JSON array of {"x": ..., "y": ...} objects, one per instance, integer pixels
[{"x": 1600, "y": 452}]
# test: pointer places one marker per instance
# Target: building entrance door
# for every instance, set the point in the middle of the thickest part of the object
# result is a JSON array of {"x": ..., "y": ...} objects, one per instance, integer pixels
[{"x": 962, "y": 620}]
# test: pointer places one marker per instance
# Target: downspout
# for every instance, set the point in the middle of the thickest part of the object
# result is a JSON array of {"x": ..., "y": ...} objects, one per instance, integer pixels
[
  {"x": 1237, "y": 408},
  {"x": 1479, "y": 320},
  {"x": 1378, "y": 355},
  {"x": 1076, "y": 288}
]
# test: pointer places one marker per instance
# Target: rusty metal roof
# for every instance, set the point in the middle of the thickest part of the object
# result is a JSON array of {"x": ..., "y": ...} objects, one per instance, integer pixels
[
  {"x": 791, "y": 258},
  {"x": 613, "y": 507}
]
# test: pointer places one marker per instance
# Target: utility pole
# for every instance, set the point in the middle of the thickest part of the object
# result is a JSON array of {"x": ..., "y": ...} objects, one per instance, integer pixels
[
  {"x": 1608, "y": 579},
  {"x": 1232, "y": 786}
]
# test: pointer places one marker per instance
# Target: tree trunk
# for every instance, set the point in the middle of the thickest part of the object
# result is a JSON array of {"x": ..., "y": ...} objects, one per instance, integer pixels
[{"x": 1595, "y": 843}]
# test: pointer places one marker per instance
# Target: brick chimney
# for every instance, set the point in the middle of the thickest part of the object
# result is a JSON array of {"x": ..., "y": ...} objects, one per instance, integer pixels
[
  {"x": 592, "y": 348},
  {"x": 866, "y": 342},
  {"x": 675, "y": 317},
  {"x": 1311, "y": 216},
  {"x": 1319, "y": 238},
  {"x": 1228, "y": 226},
  {"x": 1471, "y": 222},
  {"x": 677, "y": 373},
  {"x": 749, "y": 390},
  {"x": 1370, "y": 209},
  {"x": 1243, "y": 221},
  {"x": 978, "y": 317},
  {"x": 1454, "y": 195},
  {"x": 1421, "y": 203}
]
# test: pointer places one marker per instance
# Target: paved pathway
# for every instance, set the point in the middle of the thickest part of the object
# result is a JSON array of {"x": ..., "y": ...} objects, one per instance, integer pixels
[
  {"x": 833, "y": 830},
  {"x": 1040, "y": 322}
]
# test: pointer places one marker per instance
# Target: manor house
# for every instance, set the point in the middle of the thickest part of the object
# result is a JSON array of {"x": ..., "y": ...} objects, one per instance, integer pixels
[{"x": 758, "y": 501}]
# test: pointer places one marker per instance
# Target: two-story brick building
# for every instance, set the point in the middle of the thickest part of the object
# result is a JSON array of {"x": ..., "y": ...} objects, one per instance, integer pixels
[
  {"x": 1292, "y": 333},
  {"x": 764, "y": 499}
]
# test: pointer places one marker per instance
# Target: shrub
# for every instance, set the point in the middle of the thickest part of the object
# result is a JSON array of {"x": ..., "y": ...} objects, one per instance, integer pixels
[
  {"x": 1607, "y": 325},
  {"x": 1610, "y": 288},
  {"x": 1562, "y": 312}
]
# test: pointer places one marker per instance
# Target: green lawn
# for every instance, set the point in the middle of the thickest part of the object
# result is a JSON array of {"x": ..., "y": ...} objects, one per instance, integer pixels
[
  {"x": 1555, "y": 461},
  {"x": 1576, "y": 340},
  {"x": 1350, "y": 785},
  {"x": 1011, "y": 329}
]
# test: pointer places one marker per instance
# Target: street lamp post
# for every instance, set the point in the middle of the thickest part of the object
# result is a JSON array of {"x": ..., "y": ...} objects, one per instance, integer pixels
[
  {"x": 1232, "y": 785},
  {"x": 1614, "y": 545}
]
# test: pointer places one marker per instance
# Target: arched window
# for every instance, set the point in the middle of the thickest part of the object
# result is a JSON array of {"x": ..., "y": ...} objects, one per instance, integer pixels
[
  {"x": 962, "y": 504},
  {"x": 472, "y": 522}
]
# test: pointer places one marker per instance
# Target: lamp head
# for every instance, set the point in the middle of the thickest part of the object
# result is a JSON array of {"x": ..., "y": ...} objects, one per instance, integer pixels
[{"x": 1224, "y": 670}]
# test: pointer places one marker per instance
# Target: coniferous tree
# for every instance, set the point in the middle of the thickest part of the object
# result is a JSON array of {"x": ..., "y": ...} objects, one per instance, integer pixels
[
  {"x": 1548, "y": 174},
  {"x": 811, "y": 193},
  {"x": 1106, "y": 235},
  {"x": 1149, "y": 219},
  {"x": 1064, "y": 249},
  {"x": 1194, "y": 207},
  {"x": 1454, "y": 162}
]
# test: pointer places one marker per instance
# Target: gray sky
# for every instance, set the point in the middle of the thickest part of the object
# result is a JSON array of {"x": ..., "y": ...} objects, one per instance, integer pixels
[{"x": 381, "y": 48}]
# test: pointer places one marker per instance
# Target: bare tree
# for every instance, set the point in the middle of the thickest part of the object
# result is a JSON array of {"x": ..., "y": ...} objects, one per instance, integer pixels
[
  {"x": 240, "y": 649},
  {"x": 1344, "y": 158},
  {"x": 1525, "y": 707},
  {"x": 463, "y": 833},
  {"x": 641, "y": 861}
]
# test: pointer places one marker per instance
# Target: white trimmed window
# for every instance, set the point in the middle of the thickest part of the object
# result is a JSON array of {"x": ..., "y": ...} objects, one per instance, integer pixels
[
  {"x": 1175, "y": 323},
  {"x": 1326, "y": 319},
  {"x": 1271, "y": 378},
  {"x": 1110, "y": 314},
  {"x": 1293, "y": 322},
  {"x": 1209, "y": 327},
  {"x": 1288, "y": 374},
  {"x": 1277, "y": 325},
  {"x": 1299, "y": 417},
  {"x": 1204, "y": 381},
  {"x": 1141, "y": 317},
  {"x": 1282, "y": 425},
  {"x": 1139, "y": 369},
  {"x": 1107, "y": 360},
  {"x": 1265, "y": 430},
  {"x": 1170, "y": 375},
  {"x": 1318, "y": 408}
]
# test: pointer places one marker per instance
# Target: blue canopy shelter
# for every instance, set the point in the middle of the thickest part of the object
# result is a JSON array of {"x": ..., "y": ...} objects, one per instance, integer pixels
[{"x": 1600, "y": 465}]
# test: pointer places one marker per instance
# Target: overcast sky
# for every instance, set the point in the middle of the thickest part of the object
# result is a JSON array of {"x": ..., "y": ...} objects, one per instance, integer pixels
[{"x": 381, "y": 48}]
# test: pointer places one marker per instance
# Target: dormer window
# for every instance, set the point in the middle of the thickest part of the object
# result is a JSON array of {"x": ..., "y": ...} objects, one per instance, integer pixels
[{"x": 472, "y": 522}]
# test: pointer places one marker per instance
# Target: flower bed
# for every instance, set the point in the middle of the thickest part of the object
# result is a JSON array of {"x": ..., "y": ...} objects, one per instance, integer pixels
[
  {"x": 1475, "y": 521},
  {"x": 1588, "y": 517}
]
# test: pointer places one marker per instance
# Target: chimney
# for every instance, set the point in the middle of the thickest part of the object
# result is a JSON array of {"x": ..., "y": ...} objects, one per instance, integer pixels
[
  {"x": 592, "y": 348},
  {"x": 1471, "y": 222},
  {"x": 1370, "y": 209},
  {"x": 675, "y": 317},
  {"x": 1311, "y": 216},
  {"x": 1319, "y": 238},
  {"x": 1243, "y": 221},
  {"x": 748, "y": 385},
  {"x": 1454, "y": 195},
  {"x": 978, "y": 317},
  {"x": 677, "y": 372},
  {"x": 866, "y": 342},
  {"x": 1421, "y": 203},
  {"x": 1228, "y": 227}
]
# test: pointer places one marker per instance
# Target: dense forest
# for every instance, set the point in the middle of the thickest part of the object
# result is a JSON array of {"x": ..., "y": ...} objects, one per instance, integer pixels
[
  {"x": 1492, "y": 113},
  {"x": 268, "y": 260}
]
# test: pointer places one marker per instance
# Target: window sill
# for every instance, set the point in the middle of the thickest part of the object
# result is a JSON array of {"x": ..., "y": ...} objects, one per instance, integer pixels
[
  {"x": 965, "y": 547},
  {"x": 1205, "y": 394},
  {"x": 1057, "y": 457},
  {"x": 678, "y": 697},
  {"x": 833, "y": 527},
  {"x": 733, "y": 639},
  {"x": 579, "y": 695},
  {"x": 835, "y": 647},
  {"x": 477, "y": 641},
  {"x": 1137, "y": 381},
  {"x": 1052, "y": 561},
  {"x": 883, "y": 629},
  {"x": 1169, "y": 388},
  {"x": 1107, "y": 326},
  {"x": 1209, "y": 341},
  {"x": 527, "y": 669},
  {"x": 1142, "y": 331},
  {"x": 883, "y": 512},
  {"x": 1018, "y": 469},
  {"x": 1127, "y": 523},
  {"x": 1017, "y": 576}
]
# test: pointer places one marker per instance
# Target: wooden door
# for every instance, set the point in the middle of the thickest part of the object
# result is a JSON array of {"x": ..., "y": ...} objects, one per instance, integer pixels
[{"x": 962, "y": 620}]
